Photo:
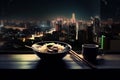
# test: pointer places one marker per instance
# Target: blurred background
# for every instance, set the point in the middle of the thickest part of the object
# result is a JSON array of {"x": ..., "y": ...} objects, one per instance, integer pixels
[{"x": 24, "y": 22}]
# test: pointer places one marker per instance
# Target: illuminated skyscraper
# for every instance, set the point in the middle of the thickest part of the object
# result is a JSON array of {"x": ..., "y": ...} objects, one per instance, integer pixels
[
  {"x": 73, "y": 18},
  {"x": 77, "y": 29},
  {"x": 74, "y": 26},
  {"x": 73, "y": 15}
]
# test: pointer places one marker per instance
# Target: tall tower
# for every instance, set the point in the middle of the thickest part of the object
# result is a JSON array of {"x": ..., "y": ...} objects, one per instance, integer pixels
[
  {"x": 77, "y": 29},
  {"x": 73, "y": 18}
]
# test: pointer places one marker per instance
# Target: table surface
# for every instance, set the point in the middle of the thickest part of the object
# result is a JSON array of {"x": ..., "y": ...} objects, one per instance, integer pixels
[{"x": 32, "y": 61}]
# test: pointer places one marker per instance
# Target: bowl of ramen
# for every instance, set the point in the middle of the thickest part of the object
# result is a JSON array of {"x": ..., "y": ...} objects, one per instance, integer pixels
[{"x": 49, "y": 50}]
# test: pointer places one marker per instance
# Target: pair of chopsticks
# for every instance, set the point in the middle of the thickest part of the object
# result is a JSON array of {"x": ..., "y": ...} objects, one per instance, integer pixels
[{"x": 76, "y": 57}]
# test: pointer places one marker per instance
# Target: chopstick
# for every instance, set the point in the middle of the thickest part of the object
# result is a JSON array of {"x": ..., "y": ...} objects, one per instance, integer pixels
[{"x": 75, "y": 56}]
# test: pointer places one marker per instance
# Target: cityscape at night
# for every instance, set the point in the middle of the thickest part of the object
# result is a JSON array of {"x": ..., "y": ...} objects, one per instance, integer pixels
[
  {"x": 75, "y": 22},
  {"x": 24, "y": 24}
]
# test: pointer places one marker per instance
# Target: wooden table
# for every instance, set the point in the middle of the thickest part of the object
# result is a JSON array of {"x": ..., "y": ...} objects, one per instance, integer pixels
[{"x": 31, "y": 61}]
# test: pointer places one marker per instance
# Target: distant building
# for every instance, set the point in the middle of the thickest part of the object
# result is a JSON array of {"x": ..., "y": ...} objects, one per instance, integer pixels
[
  {"x": 90, "y": 36},
  {"x": 96, "y": 23},
  {"x": 72, "y": 32},
  {"x": 82, "y": 36},
  {"x": 97, "y": 29},
  {"x": 58, "y": 26},
  {"x": 1, "y": 23}
]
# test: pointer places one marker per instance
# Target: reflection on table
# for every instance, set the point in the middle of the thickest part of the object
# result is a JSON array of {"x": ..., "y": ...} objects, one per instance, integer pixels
[{"x": 31, "y": 61}]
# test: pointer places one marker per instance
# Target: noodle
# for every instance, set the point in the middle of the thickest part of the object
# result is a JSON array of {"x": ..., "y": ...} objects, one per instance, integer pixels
[{"x": 49, "y": 48}]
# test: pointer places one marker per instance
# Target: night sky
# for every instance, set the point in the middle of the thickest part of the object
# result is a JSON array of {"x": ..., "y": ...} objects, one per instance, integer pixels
[
  {"x": 110, "y": 9},
  {"x": 49, "y": 8}
]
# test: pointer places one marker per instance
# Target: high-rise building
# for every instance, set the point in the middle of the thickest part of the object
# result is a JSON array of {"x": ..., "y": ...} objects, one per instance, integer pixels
[
  {"x": 96, "y": 29},
  {"x": 72, "y": 32},
  {"x": 73, "y": 20},
  {"x": 96, "y": 23},
  {"x": 58, "y": 27},
  {"x": 77, "y": 29},
  {"x": 82, "y": 36},
  {"x": 90, "y": 36}
]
